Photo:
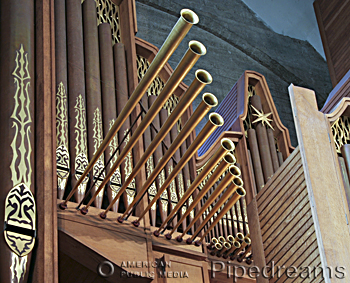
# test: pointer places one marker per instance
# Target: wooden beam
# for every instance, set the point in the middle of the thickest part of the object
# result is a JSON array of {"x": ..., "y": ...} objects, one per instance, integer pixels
[
  {"x": 46, "y": 259},
  {"x": 326, "y": 193}
]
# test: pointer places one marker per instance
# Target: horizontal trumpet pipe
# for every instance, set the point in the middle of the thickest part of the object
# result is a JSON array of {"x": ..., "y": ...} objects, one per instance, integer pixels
[
  {"x": 181, "y": 28},
  {"x": 236, "y": 182},
  {"x": 208, "y": 101},
  {"x": 239, "y": 192},
  {"x": 226, "y": 246},
  {"x": 196, "y": 49},
  {"x": 226, "y": 161},
  {"x": 215, "y": 120},
  {"x": 226, "y": 145},
  {"x": 247, "y": 241},
  {"x": 229, "y": 178}
]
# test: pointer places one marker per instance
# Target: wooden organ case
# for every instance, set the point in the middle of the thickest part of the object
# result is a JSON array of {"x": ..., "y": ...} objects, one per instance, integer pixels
[{"x": 100, "y": 115}]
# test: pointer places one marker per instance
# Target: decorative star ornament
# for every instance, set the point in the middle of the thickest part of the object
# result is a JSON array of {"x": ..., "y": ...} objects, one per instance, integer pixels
[{"x": 262, "y": 117}]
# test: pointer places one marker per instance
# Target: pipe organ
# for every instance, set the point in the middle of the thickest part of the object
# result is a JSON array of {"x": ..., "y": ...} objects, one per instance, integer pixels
[
  {"x": 134, "y": 180},
  {"x": 199, "y": 198}
]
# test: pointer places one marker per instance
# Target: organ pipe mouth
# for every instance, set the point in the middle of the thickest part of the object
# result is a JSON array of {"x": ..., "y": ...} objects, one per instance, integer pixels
[
  {"x": 189, "y": 16},
  {"x": 210, "y": 99},
  {"x": 197, "y": 47},
  {"x": 203, "y": 76}
]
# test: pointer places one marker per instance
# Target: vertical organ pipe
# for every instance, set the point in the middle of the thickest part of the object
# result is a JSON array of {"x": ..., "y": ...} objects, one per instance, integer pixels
[
  {"x": 263, "y": 143},
  {"x": 109, "y": 110},
  {"x": 93, "y": 92}
]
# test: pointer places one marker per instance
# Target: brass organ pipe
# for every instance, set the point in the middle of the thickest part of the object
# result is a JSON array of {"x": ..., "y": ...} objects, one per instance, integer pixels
[
  {"x": 181, "y": 28},
  {"x": 226, "y": 247},
  {"x": 235, "y": 245},
  {"x": 213, "y": 242},
  {"x": 239, "y": 192},
  {"x": 247, "y": 250},
  {"x": 201, "y": 80},
  {"x": 226, "y": 161},
  {"x": 231, "y": 177},
  {"x": 215, "y": 120},
  {"x": 218, "y": 246},
  {"x": 209, "y": 100},
  {"x": 226, "y": 145},
  {"x": 245, "y": 243},
  {"x": 230, "y": 239},
  {"x": 234, "y": 183}
]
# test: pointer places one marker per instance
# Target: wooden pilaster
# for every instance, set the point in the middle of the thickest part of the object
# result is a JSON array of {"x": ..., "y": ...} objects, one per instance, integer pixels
[
  {"x": 46, "y": 258},
  {"x": 329, "y": 208}
]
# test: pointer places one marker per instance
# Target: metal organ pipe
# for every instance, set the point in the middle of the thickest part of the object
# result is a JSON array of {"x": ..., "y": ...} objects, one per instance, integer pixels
[
  {"x": 215, "y": 120},
  {"x": 226, "y": 145},
  {"x": 181, "y": 28}
]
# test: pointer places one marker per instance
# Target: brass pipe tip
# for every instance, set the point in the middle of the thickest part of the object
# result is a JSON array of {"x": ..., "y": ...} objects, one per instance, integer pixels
[
  {"x": 234, "y": 170},
  {"x": 203, "y": 76},
  {"x": 241, "y": 192},
  {"x": 222, "y": 239},
  {"x": 229, "y": 158},
  {"x": 227, "y": 245},
  {"x": 227, "y": 144},
  {"x": 247, "y": 240},
  {"x": 218, "y": 246},
  {"x": 197, "y": 47},
  {"x": 216, "y": 119},
  {"x": 237, "y": 244},
  {"x": 239, "y": 183},
  {"x": 189, "y": 16},
  {"x": 210, "y": 99},
  {"x": 230, "y": 238},
  {"x": 240, "y": 236}
]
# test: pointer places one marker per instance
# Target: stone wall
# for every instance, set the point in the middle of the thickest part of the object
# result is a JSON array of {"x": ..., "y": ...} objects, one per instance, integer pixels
[{"x": 236, "y": 40}]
